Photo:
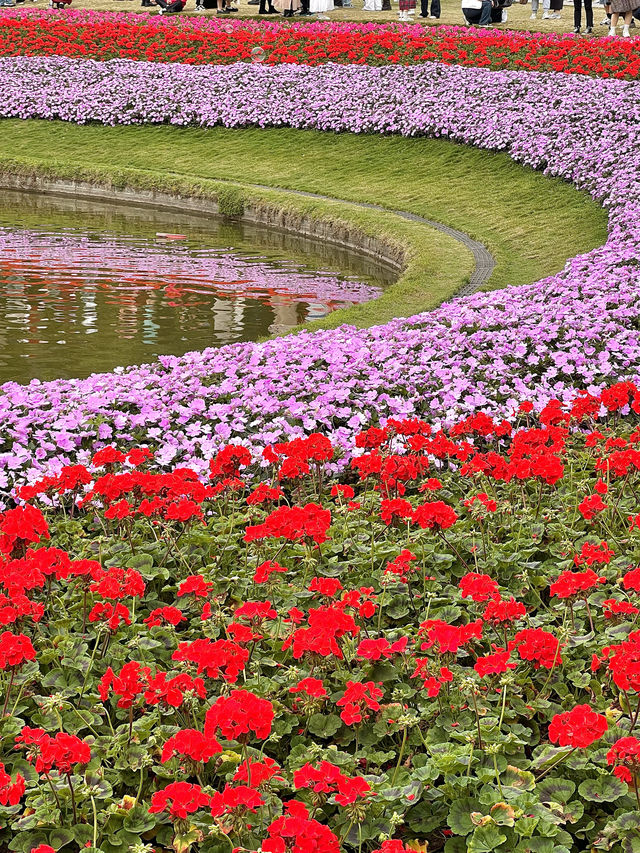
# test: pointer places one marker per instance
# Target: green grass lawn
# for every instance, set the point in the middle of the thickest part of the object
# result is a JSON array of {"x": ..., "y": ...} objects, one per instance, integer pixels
[{"x": 530, "y": 223}]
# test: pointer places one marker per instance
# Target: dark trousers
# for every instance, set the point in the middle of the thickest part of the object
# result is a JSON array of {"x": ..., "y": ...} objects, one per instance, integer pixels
[
  {"x": 479, "y": 17},
  {"x": 577, "y": 12},
  {"x": 435, "y": 8},
  {"x": 175, "y": 6}
]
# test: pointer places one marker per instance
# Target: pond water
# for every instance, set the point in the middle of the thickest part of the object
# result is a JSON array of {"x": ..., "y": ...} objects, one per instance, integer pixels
[{"x": 87, "y": 287}]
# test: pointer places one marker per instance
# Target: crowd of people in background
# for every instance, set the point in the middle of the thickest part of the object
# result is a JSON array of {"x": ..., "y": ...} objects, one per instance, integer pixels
[
  {"x": 480, "y": 13},
  {"x": 487, "y": 13}
]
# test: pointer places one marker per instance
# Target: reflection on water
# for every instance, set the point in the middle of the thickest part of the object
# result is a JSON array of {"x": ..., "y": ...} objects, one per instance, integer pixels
[{"x": 86, "y": 287}]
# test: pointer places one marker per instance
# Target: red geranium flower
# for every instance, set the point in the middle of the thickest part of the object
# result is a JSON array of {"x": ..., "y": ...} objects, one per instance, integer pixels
[
  {"x": 579, "y": 727},
  {"x": 180, "y": 799},
  {"x": 238, "y": 715},
  {"x": 478, "y": 587}
]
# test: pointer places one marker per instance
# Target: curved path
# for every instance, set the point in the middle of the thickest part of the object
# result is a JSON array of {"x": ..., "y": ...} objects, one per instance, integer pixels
[{"x": 484, "y": 260}]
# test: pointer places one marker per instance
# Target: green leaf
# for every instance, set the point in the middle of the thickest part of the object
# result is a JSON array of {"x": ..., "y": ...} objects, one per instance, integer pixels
[
  {"x": 455, "y": 845},
  {"x": 485, "y": 839},
  {"x": 324, "y": 725},
  {"x": 549, "y": 756},
  {"x": 516, "y": 781},
  {"x": 138, "y": 820},
  {"x": 604, "y": 789},
  {"x": 23, "y": 842},
  {"x": 555, "y": 790},
  {"x": 83, "y": 834},
  {"x": 60, "y": 838},
  {"x": 459, "y": 818}
]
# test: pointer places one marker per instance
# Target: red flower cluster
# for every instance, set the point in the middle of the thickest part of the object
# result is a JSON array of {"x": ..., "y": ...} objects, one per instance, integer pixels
[
  {"x": 576, "y": 584},
  {"x": 358, "y": 698},
  {"x": 327, "y": 778},
  {"x": 578, "y": 728},
  {"x": 239, "y": 714},
  {"x": 191, "y": 744},
  {"x": 538, "y": 646},
  {"x": 61, "y": 752},
  {"x": 10, "y": 792},
  {"x": 296, "y": 831},
  {"x": 217, "y": 658},
  {"x": 625, "y": 755},
  {"x": 309, "y": 523},
  {"x": 179, "y": 799},
  {"x": 478, "y": 587},
  {"x": 134, "y": 680}
]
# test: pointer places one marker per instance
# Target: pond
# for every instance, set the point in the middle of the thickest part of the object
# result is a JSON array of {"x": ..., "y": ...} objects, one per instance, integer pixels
[{"x": 86, "y": 287}]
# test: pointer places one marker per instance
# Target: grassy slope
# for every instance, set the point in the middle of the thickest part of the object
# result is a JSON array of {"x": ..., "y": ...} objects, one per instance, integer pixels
[{"x": 530, "y": 223}]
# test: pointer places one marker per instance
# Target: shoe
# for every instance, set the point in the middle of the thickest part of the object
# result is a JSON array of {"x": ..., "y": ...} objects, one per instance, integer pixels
[
  {"x": 606, "y": 22},
  {"x": 545, "y": 16},
  {"x": 576, "y": 30},
  {"x": 612, "y": 31},
  {"x": 222, "y": 12},
  {"x": 625, "y": 32},
  {"x": 533, "y": 16},
  {"x": 588, "y": 31},
  {"x": 433, "y": 17},
  {"x": 555, "y": 16}
]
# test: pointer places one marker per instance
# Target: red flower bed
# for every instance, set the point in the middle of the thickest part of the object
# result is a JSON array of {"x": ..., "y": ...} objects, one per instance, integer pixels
[
  {"x": 353, "y": 678},
  {"x": 104, "y": 35}
]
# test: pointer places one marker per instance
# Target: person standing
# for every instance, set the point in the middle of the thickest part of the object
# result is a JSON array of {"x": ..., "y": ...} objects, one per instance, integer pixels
[
  {"x": 287, "y": 7},
  {"x": 577, "y": 15},
  {"x": 406, "y": 7},
  {"x": 320, "y": 7},
  {"x": 435, "y": 9},
  {"x": 554, "y": 9},
  {"x": 477, "y": 12},
  {"x": 626, "y": 9}
]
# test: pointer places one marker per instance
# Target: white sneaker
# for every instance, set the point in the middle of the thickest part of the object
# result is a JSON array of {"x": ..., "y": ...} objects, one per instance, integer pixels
[
  {"x": 533, "y": 16},
  {"x": 612, "y": 31},
  {"x": 546, "y": 16},
  {"x": 625, "y": 32},
  {"x": 605, "y": 23},
  {"x": 556, "y": 16}
]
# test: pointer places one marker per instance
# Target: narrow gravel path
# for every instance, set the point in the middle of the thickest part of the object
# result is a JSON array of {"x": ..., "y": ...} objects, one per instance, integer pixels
[{"x": 484, "y": 260}]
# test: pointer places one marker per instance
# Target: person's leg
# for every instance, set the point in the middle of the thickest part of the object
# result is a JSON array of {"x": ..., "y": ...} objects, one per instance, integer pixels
[
  {"x": 588, "y": 11},
  {"x": 628, "y": 16},
  {"x": 577, "y": 14},
  {"x": 534, "y": 9},
  {"x": 424, "y": 8},
  {"x": 485, "y": 14},
  {"x": 435, "y": 8}
]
